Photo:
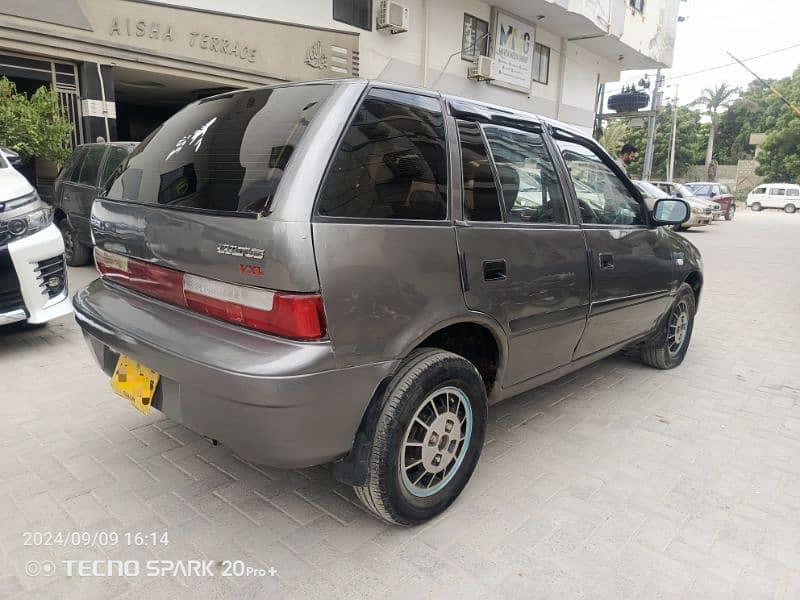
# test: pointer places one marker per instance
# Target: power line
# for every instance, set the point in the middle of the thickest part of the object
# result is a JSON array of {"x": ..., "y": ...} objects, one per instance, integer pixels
[{"x": 730, "y": 64}]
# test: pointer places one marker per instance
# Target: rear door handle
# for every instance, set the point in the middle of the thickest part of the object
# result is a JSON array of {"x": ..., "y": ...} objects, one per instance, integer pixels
[
  {"x": 494, "y": 270},
  {"x": 606, "y": 260}
]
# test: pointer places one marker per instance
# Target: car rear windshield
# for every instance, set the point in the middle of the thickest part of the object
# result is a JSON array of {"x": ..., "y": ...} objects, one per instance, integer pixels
[{"x": 226, "y": 153}]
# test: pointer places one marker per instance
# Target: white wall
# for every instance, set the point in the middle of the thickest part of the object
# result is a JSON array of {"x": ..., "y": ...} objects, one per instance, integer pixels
[
  {"x": 400, "y": 58},
  {"x": 653, "y": 33}
]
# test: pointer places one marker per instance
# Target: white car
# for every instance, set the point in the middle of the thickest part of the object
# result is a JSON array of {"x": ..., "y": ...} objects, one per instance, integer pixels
[
  {"x": 701, "y": 212},
  {"x": 775, "y": 195},
  {"x": 33, "y": 276}
]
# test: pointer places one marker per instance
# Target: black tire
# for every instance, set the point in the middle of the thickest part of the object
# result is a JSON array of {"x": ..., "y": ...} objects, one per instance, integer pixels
[
  {"x": 659, "y": 351},
  {"x": 789, "y": 208},
  {"x": 731, "y": 213},
  {"x": 677, "y": 227},
  {"x": 756, "y": 206},
  {"x": 387, "y": 493},
  {"x": 75, "y": 253}
]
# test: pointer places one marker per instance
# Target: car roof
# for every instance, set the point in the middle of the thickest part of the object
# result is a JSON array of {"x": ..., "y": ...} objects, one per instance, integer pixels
[
  {"x": 115, "y": 143},
  {"x": 449, "y": 98},
  {"x": 779, "y": 183}
]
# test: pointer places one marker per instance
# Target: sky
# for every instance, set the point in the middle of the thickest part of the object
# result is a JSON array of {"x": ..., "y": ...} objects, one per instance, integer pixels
[{"x": 746, "y": 28}]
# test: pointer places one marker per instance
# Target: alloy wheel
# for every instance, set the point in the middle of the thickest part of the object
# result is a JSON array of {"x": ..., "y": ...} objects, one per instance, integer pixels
[
  {"x": 436, "y": 441},
  {"x": 678, "y": 327}
]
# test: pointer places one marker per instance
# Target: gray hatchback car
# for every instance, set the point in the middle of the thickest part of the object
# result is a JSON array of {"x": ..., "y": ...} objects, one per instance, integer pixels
[{"x": 352, "y": 272}]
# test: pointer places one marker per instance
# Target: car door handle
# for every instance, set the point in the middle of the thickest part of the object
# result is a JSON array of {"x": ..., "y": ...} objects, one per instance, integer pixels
[
  {"x": 494, "y": 270},
  {"x": 606, "y": 260}
]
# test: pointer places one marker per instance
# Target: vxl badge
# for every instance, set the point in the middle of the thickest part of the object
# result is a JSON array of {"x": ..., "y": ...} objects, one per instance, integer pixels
[{"x": 245, "y": 251}]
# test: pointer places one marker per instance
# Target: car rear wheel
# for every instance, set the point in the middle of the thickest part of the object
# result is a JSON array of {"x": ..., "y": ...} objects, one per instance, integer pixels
[
  {"x": 75, "y": 253},
  {"x": 756, "y": 206},
  {"x": 668, "y": 346},
  {"x": 427, "y": 439},
  {"x": 789, "y": 208},
  {"x": 731, "y": 213}
]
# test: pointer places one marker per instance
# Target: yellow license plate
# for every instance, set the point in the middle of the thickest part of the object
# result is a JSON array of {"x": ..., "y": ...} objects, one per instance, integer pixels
[{"x": 135, "y": 382}]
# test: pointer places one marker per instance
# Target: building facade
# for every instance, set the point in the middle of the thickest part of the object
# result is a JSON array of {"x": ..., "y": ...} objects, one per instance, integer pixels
[{"x": 123, "y": 66}]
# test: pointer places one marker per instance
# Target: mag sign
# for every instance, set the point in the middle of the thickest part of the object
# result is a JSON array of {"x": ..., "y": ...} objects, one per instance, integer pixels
[{"x": 512, "y": 50}]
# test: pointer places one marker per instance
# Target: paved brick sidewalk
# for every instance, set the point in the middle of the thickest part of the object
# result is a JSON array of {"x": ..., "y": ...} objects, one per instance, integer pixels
[{"x": 616, "y": 482}]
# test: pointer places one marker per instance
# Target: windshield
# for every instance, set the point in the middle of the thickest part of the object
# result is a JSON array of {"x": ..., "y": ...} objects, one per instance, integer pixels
[
  {"x": 648, "y": 189},
  {"x": 226, "y": 153},
  {"x": 699, "y": 189},
  {"x": 683, "y": 190}
]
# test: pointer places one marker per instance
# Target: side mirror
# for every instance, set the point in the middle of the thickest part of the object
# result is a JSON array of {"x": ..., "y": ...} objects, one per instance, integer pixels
[{"x": 670, "y": 211}]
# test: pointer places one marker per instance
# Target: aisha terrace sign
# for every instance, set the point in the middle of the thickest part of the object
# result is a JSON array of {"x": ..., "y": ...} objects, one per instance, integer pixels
[
  {"x": 137, "y": 33},
  {"x": 164, "y": 32}
]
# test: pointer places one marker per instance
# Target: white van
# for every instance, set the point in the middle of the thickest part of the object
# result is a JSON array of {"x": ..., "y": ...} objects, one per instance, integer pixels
[
  {"x": 775, "y": 195},
  {"x": 33, "y": 277}
]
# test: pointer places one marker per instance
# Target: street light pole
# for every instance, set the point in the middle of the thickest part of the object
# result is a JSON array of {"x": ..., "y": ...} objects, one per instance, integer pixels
[
  {"x": 651, "y": 129},
  {"x": 671, "y": 168}
]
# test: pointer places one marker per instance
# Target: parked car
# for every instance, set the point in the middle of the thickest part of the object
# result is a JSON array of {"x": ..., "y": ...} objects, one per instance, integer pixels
[
  {"x": 700, "y": 216},
  {"x": 86, "y": 171},
  {"x": 719, "y": 193},
  {"x": 352, "y": 272},
  {"x": 679, "y": 190},
  {"x": 33, "y": 279},
  {"x": 775, "y": 195}
]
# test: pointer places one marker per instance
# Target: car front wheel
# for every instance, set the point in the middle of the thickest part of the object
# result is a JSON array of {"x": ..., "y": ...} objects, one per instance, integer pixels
[
  {"x": 731, "y": 213},
  {"x": 427, "y": 439},
  {"x": 668, "y": 346},
  {"x": 789, "y": 208},
  {"x": 75, "y": 253}
]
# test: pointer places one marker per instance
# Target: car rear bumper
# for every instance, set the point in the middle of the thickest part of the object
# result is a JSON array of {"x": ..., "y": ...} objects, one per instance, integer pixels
[
  {"x": 36, "y": 260},
  {"x": 273, "y": 401}
]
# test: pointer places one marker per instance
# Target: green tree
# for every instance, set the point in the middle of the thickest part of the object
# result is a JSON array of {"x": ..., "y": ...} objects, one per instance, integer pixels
[
  {"x": 689, "y": 143},
  {"x": 35, "y": 126},
  {"x": 779, "y": 159},
  {"x": 714, "y": 99},
  {"x": 614, "y": 135}
]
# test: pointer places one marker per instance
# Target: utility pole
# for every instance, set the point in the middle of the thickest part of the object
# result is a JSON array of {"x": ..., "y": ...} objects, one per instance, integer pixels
[
  {"x": 671, "y": 167},
  {"x": 651, "y": 129}
]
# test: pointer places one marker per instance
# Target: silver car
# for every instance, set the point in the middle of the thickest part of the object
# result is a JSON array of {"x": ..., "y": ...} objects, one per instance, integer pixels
[{"x": 352, "y": 272}]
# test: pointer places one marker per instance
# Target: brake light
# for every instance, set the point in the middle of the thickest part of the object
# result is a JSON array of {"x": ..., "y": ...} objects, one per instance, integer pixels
[{"x": 297, "y": 316}]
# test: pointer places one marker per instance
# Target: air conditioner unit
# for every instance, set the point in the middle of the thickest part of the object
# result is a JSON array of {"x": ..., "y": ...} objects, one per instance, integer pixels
[
  {"x": 483, "y": 69},
  {"x": 392, "y": 16}
]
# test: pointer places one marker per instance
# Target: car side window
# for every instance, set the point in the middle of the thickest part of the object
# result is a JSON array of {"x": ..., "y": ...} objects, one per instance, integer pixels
[
  {"x": 391, "y": 163},
  {"x": 73, "y": 167},
  {"x": 761, "y": 190},
  {"x": 481, "y": 198},
  {"x": 530, "y": 187},
  {"x": 91, "y": 166},
  {"x": 602, "y": 196},
  {"x": 792, "y": 192},
  {"x": 116, "y": 156},
  {"x": 777, "y": 191}
]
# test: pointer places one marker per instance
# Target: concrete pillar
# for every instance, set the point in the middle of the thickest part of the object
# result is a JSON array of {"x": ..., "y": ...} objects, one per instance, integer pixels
[{"x": 99, "y": 117}]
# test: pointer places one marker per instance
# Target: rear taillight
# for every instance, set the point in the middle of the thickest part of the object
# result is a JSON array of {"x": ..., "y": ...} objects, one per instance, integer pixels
[{"x": 296, "y": 316}]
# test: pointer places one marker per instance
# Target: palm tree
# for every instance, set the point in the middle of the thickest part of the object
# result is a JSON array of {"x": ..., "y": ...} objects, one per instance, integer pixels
[{"x": 720, "y": 96}]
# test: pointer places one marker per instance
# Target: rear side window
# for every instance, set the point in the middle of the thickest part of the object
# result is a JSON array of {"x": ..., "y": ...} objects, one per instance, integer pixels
[
  {"x": 73, "y": 167},
  {"x": 114, "y": 159},
  {"x": 391, "y": 163},
  {"x": 481, "y": 200},
  {"x": 792, "y": 192},
  {"x": 530, "y": 187},
  {"x": 90, "y": 168},
  {"x": 777, "y": 191},
  {"x": 225, "y": 153}
]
